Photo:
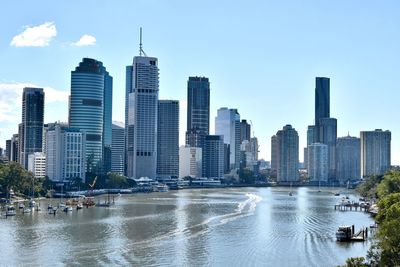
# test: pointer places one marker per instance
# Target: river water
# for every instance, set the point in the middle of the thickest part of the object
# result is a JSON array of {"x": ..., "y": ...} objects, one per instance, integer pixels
[{"x": 213, "y": 227}]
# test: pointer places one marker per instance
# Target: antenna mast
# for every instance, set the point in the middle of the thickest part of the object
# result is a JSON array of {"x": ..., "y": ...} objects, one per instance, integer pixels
[{"x": 141, "y": 51}]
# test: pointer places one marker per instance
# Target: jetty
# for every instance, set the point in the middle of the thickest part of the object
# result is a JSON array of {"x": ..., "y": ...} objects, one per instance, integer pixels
[
  {"x": 352, "y": 206},
  {"x": 347, "y": 234}
]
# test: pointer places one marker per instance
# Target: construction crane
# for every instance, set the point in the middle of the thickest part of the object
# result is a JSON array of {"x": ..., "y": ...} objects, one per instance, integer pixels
[
  {"x": 252, "y": 128},
  {"x": 94, "y": 183}
]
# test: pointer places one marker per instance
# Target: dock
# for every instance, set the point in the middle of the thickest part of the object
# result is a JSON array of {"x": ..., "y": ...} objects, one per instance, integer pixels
[{"x": 352, "y": 206}]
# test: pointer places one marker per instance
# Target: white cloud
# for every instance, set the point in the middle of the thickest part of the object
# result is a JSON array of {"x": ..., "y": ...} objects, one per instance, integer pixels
[
  {"x": 40, "y": 35},
  {"x": 11, "y": 99},
  {"x": 86, "y": 40}
]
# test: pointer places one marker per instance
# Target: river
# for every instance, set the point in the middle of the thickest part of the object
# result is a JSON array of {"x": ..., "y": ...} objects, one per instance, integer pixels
[{"x": 210, "y": 227}]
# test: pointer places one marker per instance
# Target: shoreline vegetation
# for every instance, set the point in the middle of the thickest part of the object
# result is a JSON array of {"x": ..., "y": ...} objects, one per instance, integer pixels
[{"x": 385, "y": 250}]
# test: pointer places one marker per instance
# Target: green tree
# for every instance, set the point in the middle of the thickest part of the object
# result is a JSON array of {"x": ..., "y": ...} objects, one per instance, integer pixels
[
  {"x": 369, "y": 187},
  {"x": 355, "y": 262},
  {"x": 14, "y": 176},
  {"x": 389, "y": 184},
  {"x": 115, "y": 180}
]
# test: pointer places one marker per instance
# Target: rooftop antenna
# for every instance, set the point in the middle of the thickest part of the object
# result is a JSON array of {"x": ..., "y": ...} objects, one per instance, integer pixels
[{"x": 141, "y": 51}]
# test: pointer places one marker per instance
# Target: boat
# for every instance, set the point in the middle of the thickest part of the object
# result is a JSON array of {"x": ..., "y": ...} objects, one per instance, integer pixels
[
  {"x": 49, "y": 206},
  {"x": 21, "y": 205},
  {"x": 344, "y": 233},
  {"x": 27, "y": 210},
  {"x": 337, "y": 194},
  {"x": 32, "y": 203},
  {"x": 67, "y": 209},
  {"x": 162, "y": 188},
  {"x": 79, "y": 206},
  {"x": 10, "y": 211},
  {"x": 52, "y": 211}
]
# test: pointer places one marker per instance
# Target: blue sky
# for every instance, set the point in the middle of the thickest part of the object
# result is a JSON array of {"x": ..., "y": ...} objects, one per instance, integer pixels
[{"x": 262, "y": 57}]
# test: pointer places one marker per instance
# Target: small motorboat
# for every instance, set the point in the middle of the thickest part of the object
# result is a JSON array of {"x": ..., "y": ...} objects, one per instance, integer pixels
[
  {"x": 27, "y": 210},
  {"x": 79, "y": 206},
  {"x": 10, "y": 211},
  {"x": 67, "y": 209},
  {"x": 344, "y": 233},
  {"x": 21, "y": 205}
]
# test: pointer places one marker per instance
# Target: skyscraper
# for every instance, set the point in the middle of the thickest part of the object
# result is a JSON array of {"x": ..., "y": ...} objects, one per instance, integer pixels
[
  {"x": 322, "y": 99},
  {"x": 227, "y": 124},
  {"x": 311, "y": 138},
  {"x": 142, "y": 99},
  {"x": 245, "y": 131},
  {"x": 287, "y": 142},
  {"x": 198, "y": 111},
  {"x": 31, "y": 128},
  {"x": 214, "y": 156},
  {"x": 118, "y": 148},
  {"x": 328, "y": 134},
  {"x": 318, "y": 168},
  {"x": 348, "y": 159},
  {"x": 274, "y": 153},
  {"x": 168, "y": 138},
  {"x": 375, "y": 152},
  {"x": 91, "y": 111}
]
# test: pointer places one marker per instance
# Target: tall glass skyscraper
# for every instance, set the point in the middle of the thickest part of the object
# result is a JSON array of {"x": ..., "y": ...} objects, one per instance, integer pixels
[
  {"x": 31, "y": 128},
  {"x": 322, "y": 98},
  {"x": 168, "y": 138},
  {"x": 141, "y": 114},
  {"x": 91, "y": 111},
  {"x": 198, "y": 112},
  {"x": 227, "y": 124}
]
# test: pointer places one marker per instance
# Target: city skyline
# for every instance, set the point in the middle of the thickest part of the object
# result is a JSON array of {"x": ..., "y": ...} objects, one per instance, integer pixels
[{"x": 354, "y": 91}]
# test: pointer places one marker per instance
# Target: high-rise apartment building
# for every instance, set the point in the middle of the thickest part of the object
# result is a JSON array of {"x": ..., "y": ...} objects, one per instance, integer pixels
[
  {"x": 91, "y": 111},
  {"x": 375, "y": 152},
  {"x": 348, "y": 159},
  {"x": 142, "y": 112},
  {"x": 274, "y": 153},
  {"x": 287, "y": 142},
  {"x": 318, "y": 168},
  {"x": 31, "y": 127},
  {"x": 213, "y": 156},
  {"x": 322, "y": 101},
  {"x": 168, "y": 138},
  {"x": 227, "y": 124},
  {"x": 328, "y": 136},
  {"x": 37, "y": 164},
  {"x": 65, "y": 154},
  {"x": 118, "y": 148}
]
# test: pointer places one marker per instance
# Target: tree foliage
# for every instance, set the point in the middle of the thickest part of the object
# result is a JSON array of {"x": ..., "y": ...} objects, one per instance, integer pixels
[
  {"x": 389, "y": 184},
  {"x": 369, "y": 187},
  {"x": 14, "y": 176}
]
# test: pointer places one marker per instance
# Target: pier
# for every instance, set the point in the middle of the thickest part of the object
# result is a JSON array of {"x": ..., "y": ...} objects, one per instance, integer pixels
[{"x": 352, "y": 206}]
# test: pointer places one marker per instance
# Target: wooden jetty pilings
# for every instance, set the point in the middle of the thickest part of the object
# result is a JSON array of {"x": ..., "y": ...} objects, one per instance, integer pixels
[{"x": 350, "y": 206}]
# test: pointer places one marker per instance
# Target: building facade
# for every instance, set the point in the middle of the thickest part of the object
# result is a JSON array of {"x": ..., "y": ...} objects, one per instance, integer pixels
[
  {"x": 142, "y": 99},
  {"x": 37, "y": 164},
  {"x": 65, "y": 154},
  {"x": 322, "y": 103},
  {"x": 118, "y": 148},
  {"x": 91, "y": 111},
  {"x": 213, "y": 156},
  {"x": 31, "y": 127},
  {"x": 348, "y": 159},
  {"x": 245, "y": 131},
  {"x": 328, "y": 136},
  {"x": 318, "y": 164},
  {"x": 190, "y": 162},
  {"x": 375, "y": 152},
  {"x": 287, "y": 141},
  {"x": 168, "y": 138},
  {"x": 227, "y": 124}
]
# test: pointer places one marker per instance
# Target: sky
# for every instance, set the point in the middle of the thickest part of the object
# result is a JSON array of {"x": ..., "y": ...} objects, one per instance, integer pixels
[{"x": 261, "y": 57}]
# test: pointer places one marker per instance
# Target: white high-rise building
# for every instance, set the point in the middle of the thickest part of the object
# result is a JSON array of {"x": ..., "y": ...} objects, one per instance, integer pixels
[
  {"x": 118, "y": 148},
  {"x": 37, "y": 164},
  {"x": 141, "y": 114},
  {"x": 190, "y": 161},
  {"x": 65, "y": 154},
  {"x": 227, "y": 124}
]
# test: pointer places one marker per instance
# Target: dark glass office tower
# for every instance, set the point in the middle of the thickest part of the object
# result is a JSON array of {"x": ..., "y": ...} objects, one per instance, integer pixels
[
  {"x": 31, "y": 128},
  {"x": 322, "y": 99},
  {"x": 91, "y": 111},
  {"x": 168, "y": 138},
  {"x": 198, "y": 112}
]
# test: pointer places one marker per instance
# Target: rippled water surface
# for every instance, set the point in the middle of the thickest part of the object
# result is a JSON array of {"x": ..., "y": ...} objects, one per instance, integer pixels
[{"x": 216, "y": 227}]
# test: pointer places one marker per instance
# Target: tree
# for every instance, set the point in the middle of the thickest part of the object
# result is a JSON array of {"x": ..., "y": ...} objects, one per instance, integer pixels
[
  {"x": 115, "y": 180},
  {"x": 390, "y": 184},
  {"x": 355, "y": 262},
  {"x": 369, "y": 186},
  {"x": 14, "y": 176}
]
